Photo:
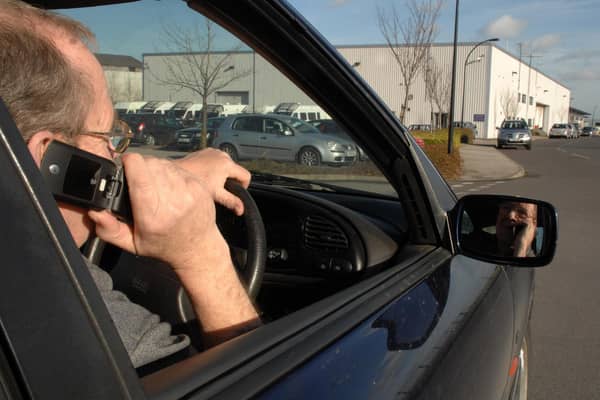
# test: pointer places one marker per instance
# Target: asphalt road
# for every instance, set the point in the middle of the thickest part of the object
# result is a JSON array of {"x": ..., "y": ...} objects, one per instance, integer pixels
[{"x": 565, "y": 328}]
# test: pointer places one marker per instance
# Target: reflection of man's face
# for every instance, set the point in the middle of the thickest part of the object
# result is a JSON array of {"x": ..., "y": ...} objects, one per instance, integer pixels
[{"x": 512, "y": 216}]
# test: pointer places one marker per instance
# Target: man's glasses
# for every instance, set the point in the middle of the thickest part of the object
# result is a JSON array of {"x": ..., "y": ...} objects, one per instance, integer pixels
[{"x": 118, "y": 138}]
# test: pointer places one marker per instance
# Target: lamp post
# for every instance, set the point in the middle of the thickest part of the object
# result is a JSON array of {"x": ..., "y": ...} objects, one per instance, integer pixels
[
  {"x": 452, "y": 85},
  {"x": 462, "y": 112}
]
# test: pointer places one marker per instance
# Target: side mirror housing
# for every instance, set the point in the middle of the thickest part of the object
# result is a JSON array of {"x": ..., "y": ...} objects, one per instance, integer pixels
[{"x": 506, "y": 230}]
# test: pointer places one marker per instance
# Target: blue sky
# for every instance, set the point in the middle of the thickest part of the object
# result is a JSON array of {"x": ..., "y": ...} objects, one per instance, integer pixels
[{"x": 563, "y": 34}]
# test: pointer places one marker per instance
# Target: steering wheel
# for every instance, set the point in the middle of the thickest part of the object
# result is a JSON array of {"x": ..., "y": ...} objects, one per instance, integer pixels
[
  {"x": 256, "y": 252},
  {"x": 251, "y": 261}
]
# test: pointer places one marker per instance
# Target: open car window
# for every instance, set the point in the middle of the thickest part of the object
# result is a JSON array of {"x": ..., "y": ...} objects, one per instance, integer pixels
[{"x": 163, "y": 54}]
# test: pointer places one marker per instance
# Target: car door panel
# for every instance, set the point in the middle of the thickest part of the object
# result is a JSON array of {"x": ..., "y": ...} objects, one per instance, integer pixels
[{"x": 440, "y": 324}]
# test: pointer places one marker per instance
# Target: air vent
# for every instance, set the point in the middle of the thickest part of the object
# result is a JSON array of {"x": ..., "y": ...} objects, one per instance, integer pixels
[{"x": 323, "y": 234}]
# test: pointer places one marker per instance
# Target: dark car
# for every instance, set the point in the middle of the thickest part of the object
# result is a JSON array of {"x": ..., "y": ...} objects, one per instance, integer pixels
[
  {"x": 189, "y": 138},
  {"x": 153, "y": 129},
  {"x": 332, "y": 127},
  {"x": 370, "y": 286}
]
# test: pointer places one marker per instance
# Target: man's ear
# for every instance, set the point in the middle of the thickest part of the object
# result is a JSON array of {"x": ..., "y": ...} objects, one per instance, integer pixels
[{"x": 38, "y": 144}]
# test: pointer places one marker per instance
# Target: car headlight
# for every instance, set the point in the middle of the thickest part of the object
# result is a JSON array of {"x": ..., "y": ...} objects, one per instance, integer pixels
[{"x": 335, "y": 146}]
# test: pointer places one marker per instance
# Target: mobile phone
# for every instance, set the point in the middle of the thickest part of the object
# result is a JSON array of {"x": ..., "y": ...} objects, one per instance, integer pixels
[
  {"x": 86, "y": 180},
  {"x": 517, "y": 229}
]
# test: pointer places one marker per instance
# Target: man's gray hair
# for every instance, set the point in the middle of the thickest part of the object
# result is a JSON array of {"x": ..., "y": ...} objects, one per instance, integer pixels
[{"x": 40, "y": 87}]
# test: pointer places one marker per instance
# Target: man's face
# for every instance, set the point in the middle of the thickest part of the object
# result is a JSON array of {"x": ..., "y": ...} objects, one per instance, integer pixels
[{"x": 511, "y": 216}]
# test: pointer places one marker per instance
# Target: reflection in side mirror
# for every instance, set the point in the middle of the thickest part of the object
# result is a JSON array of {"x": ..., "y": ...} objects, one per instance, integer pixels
[{"x": 506, "y": 230}]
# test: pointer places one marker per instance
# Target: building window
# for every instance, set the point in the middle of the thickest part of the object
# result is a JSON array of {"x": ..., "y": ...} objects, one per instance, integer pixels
[
  {"x": 529, "y": 122},
  {"x": 530, "y": 100},
  {"x": 523, "y": 98}
]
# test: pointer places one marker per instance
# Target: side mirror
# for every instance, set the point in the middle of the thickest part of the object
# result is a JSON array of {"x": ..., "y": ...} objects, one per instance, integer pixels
[{"x": 505, "y": 230}]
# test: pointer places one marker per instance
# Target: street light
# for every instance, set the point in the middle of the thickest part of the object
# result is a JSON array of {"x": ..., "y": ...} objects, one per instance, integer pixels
[
  {"x": 462, "y": 111},
  {"x": 453, "y": 81}
]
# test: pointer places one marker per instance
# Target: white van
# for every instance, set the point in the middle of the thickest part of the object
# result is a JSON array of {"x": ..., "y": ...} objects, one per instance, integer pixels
[
  {"x": 129, "y": 107},
  {"x": 192, "y": 112},
  {"x": 231, "y": 109},
  {"x": 163, "y": 107},
  {"x": 304, "y": 112}
]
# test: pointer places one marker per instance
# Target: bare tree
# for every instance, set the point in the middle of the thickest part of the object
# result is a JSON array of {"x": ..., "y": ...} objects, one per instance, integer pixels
[
  {"x": 196, "y": 66},
  {"x": 437, "y": 86},
  {"x": 509, "y": 103},
  {"x": 410, "y": 39}
]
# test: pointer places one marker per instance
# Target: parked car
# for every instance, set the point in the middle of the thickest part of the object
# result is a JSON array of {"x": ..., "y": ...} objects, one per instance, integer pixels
[
  {"x": 332, "y": 127},
  {"x": 588, "y": 131},
  {"x": 282, "y": 138},
  {"x": 561, "y": 131},
  {"x": 574, "y": 131},
  {"x": 371, "y": 287},
  {"x": 467, "y": 125},
  {"x": 514, "y": 133},
  {"x": 189, "y": 138},
  {"x": 153, "y": 129},
  {"x": 420, "y": 127}
]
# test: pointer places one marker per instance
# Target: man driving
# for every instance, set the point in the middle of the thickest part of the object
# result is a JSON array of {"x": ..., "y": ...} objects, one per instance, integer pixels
[{"x": 55, "y": 89}]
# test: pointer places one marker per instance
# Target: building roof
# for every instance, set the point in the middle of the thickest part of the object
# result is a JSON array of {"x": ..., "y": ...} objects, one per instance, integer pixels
[
  {"x": 573, "y": 110},
  {"x": 116, "y": 60}
]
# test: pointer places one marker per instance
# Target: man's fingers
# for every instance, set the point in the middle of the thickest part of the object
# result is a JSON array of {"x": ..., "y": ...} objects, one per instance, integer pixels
[
  {"x": 113, "y": 231},
  {"x": 230, "y": 201}
]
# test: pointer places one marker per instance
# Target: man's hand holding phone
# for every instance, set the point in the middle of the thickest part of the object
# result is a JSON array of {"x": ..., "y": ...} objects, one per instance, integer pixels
[{"x": 524, "y": 230}]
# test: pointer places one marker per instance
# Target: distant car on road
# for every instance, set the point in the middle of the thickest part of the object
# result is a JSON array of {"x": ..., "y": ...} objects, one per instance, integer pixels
[
  {"x": 281, "y": 138},
  {"x": 514, "y": 133},
  {"x": 588, "y": 131},
  {"x": 561, "y": 130}
]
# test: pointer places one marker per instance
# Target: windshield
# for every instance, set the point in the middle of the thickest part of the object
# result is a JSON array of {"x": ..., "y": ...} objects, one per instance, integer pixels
[
  {"x": 513, "y": 125},
  {"x": 300, "y": 125}
]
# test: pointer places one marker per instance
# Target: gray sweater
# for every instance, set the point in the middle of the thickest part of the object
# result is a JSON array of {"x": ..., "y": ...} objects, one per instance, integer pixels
[{"x": 144, "y": 336}]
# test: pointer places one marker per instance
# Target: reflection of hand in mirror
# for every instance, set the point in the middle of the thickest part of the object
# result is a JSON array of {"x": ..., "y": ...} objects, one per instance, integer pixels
[{"x": 515, "y": 228}]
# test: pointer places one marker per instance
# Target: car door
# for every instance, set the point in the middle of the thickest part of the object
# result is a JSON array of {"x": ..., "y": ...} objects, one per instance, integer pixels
[
  {"x": 277, "y": 141},
  {"x": 244, "y": 134}
]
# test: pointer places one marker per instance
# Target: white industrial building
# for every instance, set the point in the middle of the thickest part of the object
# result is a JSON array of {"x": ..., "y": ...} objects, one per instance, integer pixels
[{"x": 498, "y": 86}]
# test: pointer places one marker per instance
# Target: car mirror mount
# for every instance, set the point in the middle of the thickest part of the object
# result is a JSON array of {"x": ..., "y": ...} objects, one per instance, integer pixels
[{"x": 507, "y": 230}]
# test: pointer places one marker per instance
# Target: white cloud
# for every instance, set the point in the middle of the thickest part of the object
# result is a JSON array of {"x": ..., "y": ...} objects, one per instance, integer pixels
[
  {"x": 581, "y": 55},
  {"x": 586, "y": 74},
  {"x": 505, "y": 27},
  {"x": 545, "y": 42}
]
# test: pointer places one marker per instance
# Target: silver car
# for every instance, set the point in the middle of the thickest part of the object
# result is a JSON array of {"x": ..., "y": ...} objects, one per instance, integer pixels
[
  {"x": 514, "y": 133},
  {"x": 281, "y": 138},
  {"x": 560, "y": 130}
]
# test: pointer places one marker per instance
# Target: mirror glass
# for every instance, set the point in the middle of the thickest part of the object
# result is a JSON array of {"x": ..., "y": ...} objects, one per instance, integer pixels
[{"x": 505, "y": 229}]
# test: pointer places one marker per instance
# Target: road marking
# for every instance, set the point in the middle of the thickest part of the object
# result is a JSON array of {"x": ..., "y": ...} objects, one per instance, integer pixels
[
  {"x": 561, "y": 149},
  {"x": 580, "y": 156}
]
